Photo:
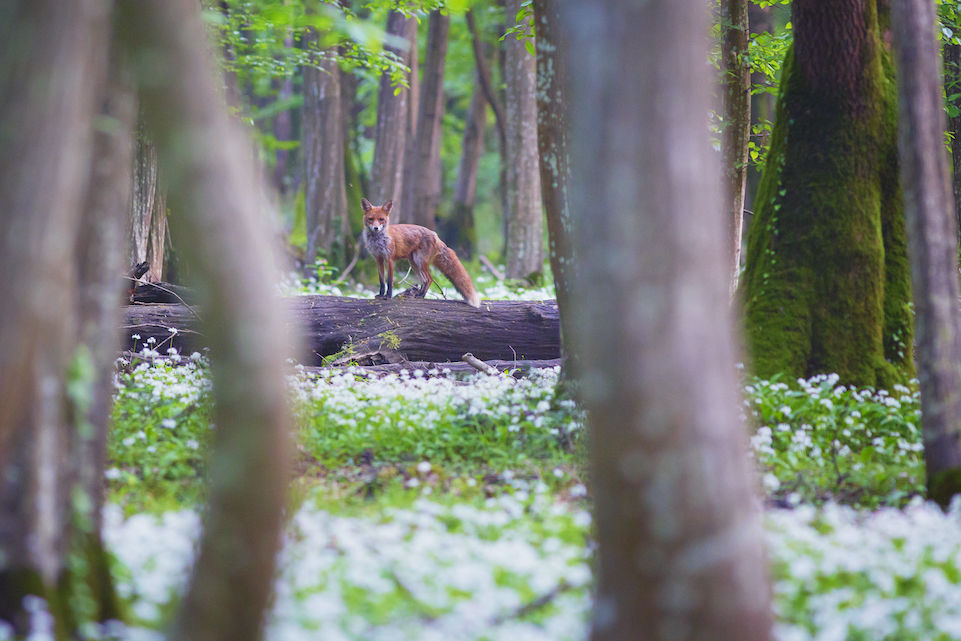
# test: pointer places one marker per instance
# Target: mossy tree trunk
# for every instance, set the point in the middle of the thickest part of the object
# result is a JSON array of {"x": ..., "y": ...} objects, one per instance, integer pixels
[
  {"x": 931, "y": 225},
  {"x": 827, "y": 282}
]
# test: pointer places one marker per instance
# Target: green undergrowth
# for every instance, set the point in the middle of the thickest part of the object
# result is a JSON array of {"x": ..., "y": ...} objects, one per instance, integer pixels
[
  {"x": 409, "y": 435},
  {"x": 816, "y": 441}
]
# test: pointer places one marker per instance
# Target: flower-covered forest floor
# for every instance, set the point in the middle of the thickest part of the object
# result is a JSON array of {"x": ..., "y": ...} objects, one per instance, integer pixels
[{"x": 426, "y": 507}]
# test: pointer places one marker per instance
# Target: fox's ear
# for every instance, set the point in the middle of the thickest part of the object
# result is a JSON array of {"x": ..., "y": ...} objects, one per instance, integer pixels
[
  {"x": 365, "y": 204},
  {"x": 388, "y": 205}
]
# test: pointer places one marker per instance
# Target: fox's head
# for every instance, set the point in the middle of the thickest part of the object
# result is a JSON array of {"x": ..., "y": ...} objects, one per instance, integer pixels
[{"x": 376, "y": 218}]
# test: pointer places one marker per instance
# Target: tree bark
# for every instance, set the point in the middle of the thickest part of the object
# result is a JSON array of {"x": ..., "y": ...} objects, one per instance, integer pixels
[
  {"x": 145, "y": 190},
  {"x": 952, "y": 87},
  {"x": 680, "y": 547},
  {"x": 53, "y": 60},
  {"x": 932, "y": 234},
  {"x": 554, "y": 156},
  {"x": 326, "y": 196},
  {"x": 422, "y": 182},
  {"x": 284, "y": 129},
  {"x": 737, "y": 123},
  {"x": 212, "y": 183},
  {"x": 158, "y": 238},
  {"x": 524, "y": 247},
  {"x": 393, "y": 120},
  {"x": 827, "y": 280},
  {"x": 462, "y": 234},
  {"x": 100, "y": 239},
  {"x": 427, "y": 330}
]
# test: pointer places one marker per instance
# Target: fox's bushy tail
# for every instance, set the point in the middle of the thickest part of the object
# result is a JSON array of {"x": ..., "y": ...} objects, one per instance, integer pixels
[{"x": 447, "y": 262}]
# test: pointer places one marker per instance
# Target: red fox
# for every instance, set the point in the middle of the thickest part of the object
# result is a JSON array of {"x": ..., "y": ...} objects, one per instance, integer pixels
[{"x": 421, "y": 246}]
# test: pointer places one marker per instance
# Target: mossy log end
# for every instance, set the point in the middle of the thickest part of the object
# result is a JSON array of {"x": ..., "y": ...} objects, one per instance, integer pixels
[
  {"x": 827, "y": 282},
  {"x": 416, "y": 329}
]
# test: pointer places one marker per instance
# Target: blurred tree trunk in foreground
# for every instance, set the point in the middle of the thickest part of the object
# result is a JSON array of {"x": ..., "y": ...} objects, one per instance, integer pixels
[
  {"x": 932, "y": 234},
  {"x": 391, "y": 130},
  {"x": 326, "y": 195},
  {"x": 65, "y": 179},
  {"x": 680, "y": 547},
  {"x": 52, "y": 492},
  {"x": 524, "y": 244},
  {"x": 736, "y": 91},
  {"x": 212, "y": 181},
  {"x": 554, "y": 156},
  {"x": 422, "y": 167}
]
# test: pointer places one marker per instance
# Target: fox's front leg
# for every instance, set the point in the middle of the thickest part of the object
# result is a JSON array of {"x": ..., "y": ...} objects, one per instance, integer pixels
[
  {"x": 390, "y": 278},
  {"x": 380, "y": 274}
]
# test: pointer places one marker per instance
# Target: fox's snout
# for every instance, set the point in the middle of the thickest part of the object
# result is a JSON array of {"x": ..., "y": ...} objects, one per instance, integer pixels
[{"x": 375, "y": 227}]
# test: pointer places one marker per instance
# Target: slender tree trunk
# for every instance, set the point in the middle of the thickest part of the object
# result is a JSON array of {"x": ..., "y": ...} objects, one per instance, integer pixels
[
  {"x": 463, "y": 233},
  {"x": 737, "y": 123},
  {"x": 952, "y": 87},
  {"x": 212, "y": 183},
  {"x": 393, "y": 121},
  {"x": 53, "y": 60},
  {"x": 554, "y": 156},
  {"x": 143, "y": 199},
  {"x": 421, "y": 193},
  {"x": 680, "y": 548},
  {"x": 283, "y": 129},
  {"x": 524, "y": 214},
  {"x": 158, "y": 238},
  {"x": 326, "y": 197},
  {"x": 497, "y": 105},
  {"x": 932, "y": 234}
]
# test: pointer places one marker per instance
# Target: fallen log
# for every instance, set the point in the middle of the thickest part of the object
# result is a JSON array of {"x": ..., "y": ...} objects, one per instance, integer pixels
[{"x": 375, "y": 332}]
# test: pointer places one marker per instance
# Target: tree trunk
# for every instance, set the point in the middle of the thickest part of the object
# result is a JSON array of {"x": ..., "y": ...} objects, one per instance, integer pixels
[
  {"x": 100, "y": 240},
  {"x": 284, "y": 129},
  {"x": 420, "y": 330},
  {"x": 142, "y": 201},
  {"x": 524, "y": 247},
  {"x": 421, "y": 186},
  {"x": 497, "y": 106},
  {"x": 462, "y": 235},
  {"x": 393, "y": 120},
  {"x": 326, "y": 196},
  {"x": 952, "y": 87},
  {"x": 932, "y": 234},
  {"x": 53, "y": 60},
  {"x": 158, "y": 238},
  {"x": 680, "y": 547},
  {"x": 737, "y": 124},
  {"x": 554, "y": 156},
  {"x": 827, "y": 281},
  {"x": 212, "y": 184}
]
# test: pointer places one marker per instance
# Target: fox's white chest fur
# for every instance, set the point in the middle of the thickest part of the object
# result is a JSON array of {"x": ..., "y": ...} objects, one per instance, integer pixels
[{"x": 378, "y": 243}]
